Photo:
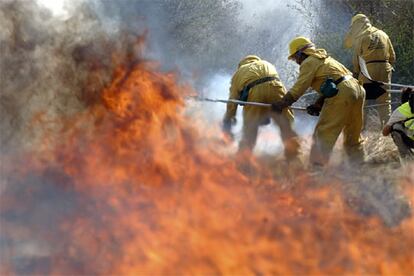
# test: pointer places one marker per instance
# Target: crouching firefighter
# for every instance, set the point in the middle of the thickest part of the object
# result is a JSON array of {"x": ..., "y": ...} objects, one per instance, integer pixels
[
  {"x": 401, "y": 126},
  {"x": 340, "y": 106},
  {"x": 256, "y": 80}
]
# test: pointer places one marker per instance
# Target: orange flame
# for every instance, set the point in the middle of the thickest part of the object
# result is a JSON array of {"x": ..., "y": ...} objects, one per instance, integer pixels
[{"x": 145, "y": 194}]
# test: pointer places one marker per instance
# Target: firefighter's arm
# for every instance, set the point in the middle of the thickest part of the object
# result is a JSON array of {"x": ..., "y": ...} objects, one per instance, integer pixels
[
  {"x": 395, "y": 117},
  {"x": 306, "y": 75},
  {"x": 234, "y": 95},
  {"x": 355, "y": 61},
  {"x": 230, "y": 117},
  {"x": 392, "y": 57},
  {"x": 355, "y": 64}
]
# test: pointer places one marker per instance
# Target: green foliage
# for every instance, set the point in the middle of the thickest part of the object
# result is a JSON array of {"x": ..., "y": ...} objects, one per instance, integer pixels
[
  {"x": 330, "y": 20},
  {"x": 396, "y": 18}
]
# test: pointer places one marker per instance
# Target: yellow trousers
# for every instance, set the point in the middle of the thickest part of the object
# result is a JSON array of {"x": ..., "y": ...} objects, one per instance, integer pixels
[
  {"x": 253, "y": 119},
  {"x": 254, "y": 116},
  {"x": 341, "y": 113},
  {"x": 381, "y": 72}
]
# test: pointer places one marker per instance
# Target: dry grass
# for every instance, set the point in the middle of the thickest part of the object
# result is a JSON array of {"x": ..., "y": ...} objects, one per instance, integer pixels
[{"x": 371, "y": 189}]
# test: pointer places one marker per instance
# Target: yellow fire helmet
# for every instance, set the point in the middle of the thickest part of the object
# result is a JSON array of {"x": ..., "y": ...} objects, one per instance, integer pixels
[
  {"x": 248, "y": 59},
  {"x": 299, "y": 43}
]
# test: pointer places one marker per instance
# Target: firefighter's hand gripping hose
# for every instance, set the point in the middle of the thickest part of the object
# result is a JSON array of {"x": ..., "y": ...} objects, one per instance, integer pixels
[
  {"x": 285, "y": 102},
  {"x": 315, "y": 108}
]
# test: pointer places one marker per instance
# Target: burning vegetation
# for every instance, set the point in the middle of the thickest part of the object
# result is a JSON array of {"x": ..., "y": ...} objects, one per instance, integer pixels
[
  {"x": 121, "y": 180},
  {"x": 131, "y": 186}
]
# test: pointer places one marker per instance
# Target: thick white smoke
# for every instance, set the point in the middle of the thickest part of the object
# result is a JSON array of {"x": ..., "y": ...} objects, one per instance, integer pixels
[
  {"x": 57, "y": 55},
  {"x": 57, "y": 7},
  {"x": 272, "y": 24},
  {"x": 55, "y": 61}
]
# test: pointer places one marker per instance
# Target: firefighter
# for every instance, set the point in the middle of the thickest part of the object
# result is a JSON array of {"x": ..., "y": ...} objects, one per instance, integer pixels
[
  {"x": 375, "y": 47},
  {"x": 401, "y": 126},
  {"x": 256, "y": 80},
  {"x": 340, "y": 106}
]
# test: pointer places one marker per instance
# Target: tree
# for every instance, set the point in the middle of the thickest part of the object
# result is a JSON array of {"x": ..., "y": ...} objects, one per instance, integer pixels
[
  {"x": 194, "y": 34},
  {"x": 330, "y": 20},
  {"x": 396, "y": 18}
]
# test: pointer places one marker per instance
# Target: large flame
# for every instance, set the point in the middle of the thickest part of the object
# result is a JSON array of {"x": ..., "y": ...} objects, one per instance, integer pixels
[{"x": 132, "y": 186}]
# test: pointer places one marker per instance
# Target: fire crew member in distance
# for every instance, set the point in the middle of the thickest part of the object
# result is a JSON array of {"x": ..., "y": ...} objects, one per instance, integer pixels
[{"x": 375, "y": 47}]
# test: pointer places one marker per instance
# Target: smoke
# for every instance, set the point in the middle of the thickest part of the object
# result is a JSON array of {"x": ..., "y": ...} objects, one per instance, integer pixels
[
  {"x": 57, "y": 7},
  {"x": 58, "y": 55},
  {"x": 56, "y": 62},
  {"x": 201, "y": 38},
  {"x": 51, "y": 66},
  {"x": 267, "y": 28},
  {"x": 272, "y": 24}
]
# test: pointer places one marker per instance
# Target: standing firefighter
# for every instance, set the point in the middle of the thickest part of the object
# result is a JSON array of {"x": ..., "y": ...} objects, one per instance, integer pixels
[
  {"x": 375, "y": 47},
  {"x": 256, "y": 80},
  {"x": 401, "y": 126},
  {"x": 342, "y": 97}
]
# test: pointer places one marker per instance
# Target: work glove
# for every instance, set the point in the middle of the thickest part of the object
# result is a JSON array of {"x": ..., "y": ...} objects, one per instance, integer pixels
[
  {"x": 315, "y": 108},
  {"x": 355, "y": 75},
  {"x": 285, "y": 102},
  {"x": 226, "y": 127}
]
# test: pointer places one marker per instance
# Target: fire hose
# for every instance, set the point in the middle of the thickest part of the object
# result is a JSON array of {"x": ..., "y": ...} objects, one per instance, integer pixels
[
  {"x": 267, "y": 104},
  {"x": 364, "y": 72}
]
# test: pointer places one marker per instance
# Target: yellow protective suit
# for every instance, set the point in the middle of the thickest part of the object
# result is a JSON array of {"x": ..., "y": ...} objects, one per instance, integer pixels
[
  {"x": 375, "y": 47},
  {"x": 343, "y": 112},
  {"x": 252, "y": 68}
]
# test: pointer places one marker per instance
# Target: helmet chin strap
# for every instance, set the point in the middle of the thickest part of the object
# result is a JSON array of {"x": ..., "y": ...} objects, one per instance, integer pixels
[{"x": 299, "y": 53}]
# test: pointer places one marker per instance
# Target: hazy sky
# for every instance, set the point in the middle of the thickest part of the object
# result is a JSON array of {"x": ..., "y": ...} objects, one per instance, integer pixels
[
  {"x": 251, "y": 7},
  {"x": 56, "y": 6}
]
